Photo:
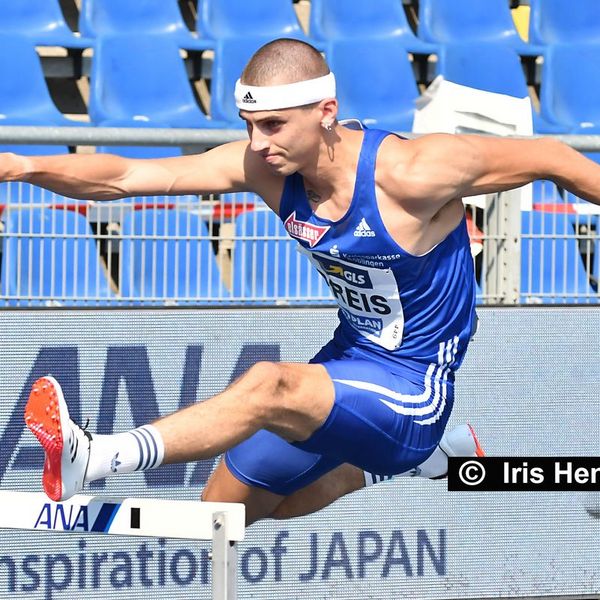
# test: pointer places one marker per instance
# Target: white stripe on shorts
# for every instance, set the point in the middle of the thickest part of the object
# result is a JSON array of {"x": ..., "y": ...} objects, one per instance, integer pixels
[{"x": 435, "y": 388}]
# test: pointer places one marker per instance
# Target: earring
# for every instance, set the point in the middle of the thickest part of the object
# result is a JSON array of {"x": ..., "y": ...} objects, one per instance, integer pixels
[{"x": 327, "y": 126}]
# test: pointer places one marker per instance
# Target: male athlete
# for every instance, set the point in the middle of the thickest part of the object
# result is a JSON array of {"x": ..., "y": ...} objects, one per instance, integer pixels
[{"x": 383, "y": 221}]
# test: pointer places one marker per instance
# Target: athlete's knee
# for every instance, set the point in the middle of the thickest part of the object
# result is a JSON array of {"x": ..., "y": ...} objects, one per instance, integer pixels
[
  {"x": 269, "y": 386},
  {"x": 288, "y": 399},
  {"x": 214, "y": 490},
  {"x": 269, "y": 378}
]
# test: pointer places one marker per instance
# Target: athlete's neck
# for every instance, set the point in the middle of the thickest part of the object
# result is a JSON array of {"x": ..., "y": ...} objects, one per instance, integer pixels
[{"x": 334, "y": 171}]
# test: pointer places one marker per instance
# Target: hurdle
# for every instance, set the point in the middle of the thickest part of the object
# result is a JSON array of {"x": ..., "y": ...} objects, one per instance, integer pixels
[{"x": 221, "y": 522}]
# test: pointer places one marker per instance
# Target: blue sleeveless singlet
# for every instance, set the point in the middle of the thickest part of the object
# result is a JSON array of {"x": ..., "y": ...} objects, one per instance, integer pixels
[{"x": 393, "y": 305}]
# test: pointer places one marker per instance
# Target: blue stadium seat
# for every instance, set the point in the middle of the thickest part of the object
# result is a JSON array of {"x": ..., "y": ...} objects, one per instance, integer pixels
[
  {"x": 166, "y": 255},
  {"x": 557, "y": 21},
  {"x": 376, "y": 98},
  {"x": 26, "y": 195},
  {"x": 51, "y": 256},
  {"x": 142, "y": 79},
  {"x": 236, "y": 203},
  {"x": 41, "y": 22},
  {"x": 140, "y": 151},
  {"x": 231, "y": 56},
  {"x": 157, "y": 17},
  {"x": 469, "y": 64},
  {"x": 240, "y": 18},
  {"x": 24, "y": 96},
  {"x": 267, "y": 265},
  {"x": 552, "y": 269},
  {"x": 570, "y": 89},
  {"x": 486, "y": 66},
  {"x": 547, "y": 192},
  {"x": 352, "y": 19},
  {"x": 447, "y": 21}
]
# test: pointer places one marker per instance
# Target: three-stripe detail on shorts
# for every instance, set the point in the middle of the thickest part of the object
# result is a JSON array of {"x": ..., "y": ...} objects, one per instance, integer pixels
[{"x": 430, "y": 404}]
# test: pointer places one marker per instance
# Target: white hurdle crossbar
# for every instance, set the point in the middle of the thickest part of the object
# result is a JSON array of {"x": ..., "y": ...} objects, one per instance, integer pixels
[{"x": 221, "y": 522}]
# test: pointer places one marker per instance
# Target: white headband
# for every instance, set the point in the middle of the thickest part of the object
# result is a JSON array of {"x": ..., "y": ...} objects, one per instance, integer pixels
[{"x": 274, "y": 97}]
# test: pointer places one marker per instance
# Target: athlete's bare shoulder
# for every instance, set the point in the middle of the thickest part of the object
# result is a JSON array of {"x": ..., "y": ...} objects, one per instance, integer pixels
[{"x": 423, "y": 173}]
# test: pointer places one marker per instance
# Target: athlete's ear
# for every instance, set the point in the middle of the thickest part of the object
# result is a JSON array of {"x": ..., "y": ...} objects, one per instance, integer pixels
[{"x": 329, "y": 111}]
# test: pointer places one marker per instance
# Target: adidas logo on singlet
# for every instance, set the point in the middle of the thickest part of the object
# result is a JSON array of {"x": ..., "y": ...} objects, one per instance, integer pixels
[
  {"x": 363, "y": 229},
  {"x": 248, "y": 99}
]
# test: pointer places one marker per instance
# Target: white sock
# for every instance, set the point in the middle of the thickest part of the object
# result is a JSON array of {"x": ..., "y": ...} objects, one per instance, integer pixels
[
  {"x": 435, "y": 466},
  {"x": 136, "y": 450}
]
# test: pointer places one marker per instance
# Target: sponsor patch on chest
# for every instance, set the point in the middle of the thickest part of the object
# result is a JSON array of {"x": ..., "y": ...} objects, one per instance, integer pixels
[{"x": 302, "y": 230}]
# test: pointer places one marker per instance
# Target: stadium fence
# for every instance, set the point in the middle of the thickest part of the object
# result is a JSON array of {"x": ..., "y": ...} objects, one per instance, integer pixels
[{"x": 535, "y": 245}]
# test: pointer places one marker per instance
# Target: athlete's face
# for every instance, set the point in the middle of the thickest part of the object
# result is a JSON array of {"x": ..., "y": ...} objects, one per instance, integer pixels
[{"x": 287, "y": 140}]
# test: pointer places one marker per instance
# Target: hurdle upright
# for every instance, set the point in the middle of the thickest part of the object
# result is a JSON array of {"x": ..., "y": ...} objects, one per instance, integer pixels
[{"x": 221, "y": 522}]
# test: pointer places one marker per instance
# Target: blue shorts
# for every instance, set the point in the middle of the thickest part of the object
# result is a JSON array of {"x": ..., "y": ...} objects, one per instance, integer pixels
[{"x": 387, "y": 418}]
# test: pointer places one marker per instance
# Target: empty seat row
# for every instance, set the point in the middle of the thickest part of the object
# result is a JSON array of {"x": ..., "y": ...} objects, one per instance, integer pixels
[
  {"x": 552, "y": 267},
  {"x": 439, "y": 21},
  {"x": 43, "y": 21},
  {"x": 142, "y": 82},
  {"x": 165, "y": 255},
  {"x": 451, "y": 21},
  {"x": 49, "y": 254},
  {"x": 570, "y": 81}
]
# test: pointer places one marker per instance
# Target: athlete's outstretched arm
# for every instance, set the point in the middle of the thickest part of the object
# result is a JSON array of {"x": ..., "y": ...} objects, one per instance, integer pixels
[
  {"x": 442, "y": 167},
  {"x": 230, "y": 167}
]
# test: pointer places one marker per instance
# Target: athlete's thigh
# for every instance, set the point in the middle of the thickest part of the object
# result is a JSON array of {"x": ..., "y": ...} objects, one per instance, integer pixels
[
  {"x": 269, "y": 462},
  {"x": 260, "y": 503},
  {"x": 262, "y": 470}
]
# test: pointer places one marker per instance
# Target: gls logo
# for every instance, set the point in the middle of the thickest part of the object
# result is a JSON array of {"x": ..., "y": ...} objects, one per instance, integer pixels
[
  {"x": 352, "y": 275},
  {"x": 128, "y": 368},
  {"x": 358, "y": 279}
]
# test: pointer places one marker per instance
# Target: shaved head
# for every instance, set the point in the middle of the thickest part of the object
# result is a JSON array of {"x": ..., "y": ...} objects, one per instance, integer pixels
[{"x": 284, "y": 61}]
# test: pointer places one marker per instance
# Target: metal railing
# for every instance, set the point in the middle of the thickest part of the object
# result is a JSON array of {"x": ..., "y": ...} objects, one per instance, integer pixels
[
  {"x": 191, "y": 250},
  {"x": 546, "y": 252}
]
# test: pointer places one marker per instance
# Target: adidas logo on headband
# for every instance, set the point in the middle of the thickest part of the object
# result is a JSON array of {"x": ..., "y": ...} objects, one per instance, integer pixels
[
  {"x": 248, "y": 99},
  {"x": 288, "y": 95}
]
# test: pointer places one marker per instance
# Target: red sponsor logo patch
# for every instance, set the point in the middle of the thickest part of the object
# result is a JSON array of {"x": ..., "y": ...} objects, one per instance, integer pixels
[{"x": 305, "y": 231}]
